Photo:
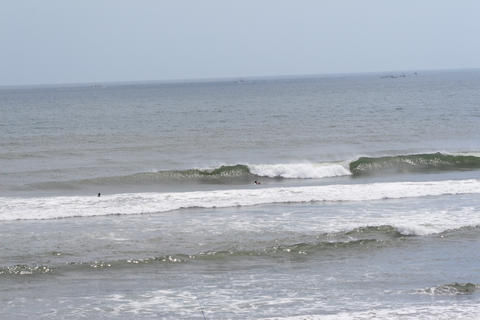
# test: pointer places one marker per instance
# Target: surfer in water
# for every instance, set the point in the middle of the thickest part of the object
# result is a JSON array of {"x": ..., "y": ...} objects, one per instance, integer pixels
[
  {"x": 99, "y": 194},
  {"x": 257, "y": 182}
]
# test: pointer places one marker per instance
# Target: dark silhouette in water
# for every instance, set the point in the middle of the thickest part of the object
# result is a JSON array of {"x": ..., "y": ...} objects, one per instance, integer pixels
[
  {"x": 257, "y": 182},
  {"x": 99, "y": 194}
]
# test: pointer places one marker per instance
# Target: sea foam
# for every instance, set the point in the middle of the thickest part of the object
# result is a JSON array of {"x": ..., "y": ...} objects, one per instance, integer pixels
[
  {"x": 136, "y": 203},
  {"x": 300, "y": 170}
]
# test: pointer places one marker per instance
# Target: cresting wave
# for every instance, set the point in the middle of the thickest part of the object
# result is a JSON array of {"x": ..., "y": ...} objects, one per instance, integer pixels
[
  {"x": 413, "y": 163},
  {"x": 137, "y": 203},
  {"x": 246, "y": 174},
  {"x": 300, "y": 170},
  {"x": 228, "y": 174}
]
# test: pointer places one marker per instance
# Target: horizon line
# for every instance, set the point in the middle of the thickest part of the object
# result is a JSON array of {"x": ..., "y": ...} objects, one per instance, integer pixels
[{"x": 219, "y": 79}]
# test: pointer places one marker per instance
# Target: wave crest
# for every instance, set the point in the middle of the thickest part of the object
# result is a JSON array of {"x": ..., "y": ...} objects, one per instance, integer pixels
[
  {"x": 247, "y": 174},
  {"x": 300, "y": 170},
  {"x": 413, "y": 163}
]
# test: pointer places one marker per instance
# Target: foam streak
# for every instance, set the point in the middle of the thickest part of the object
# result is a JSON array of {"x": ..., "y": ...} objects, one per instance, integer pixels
[{"x": 135, "y": 203}]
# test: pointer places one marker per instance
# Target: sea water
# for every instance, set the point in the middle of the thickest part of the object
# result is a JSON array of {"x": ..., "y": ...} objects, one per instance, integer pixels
[{"x": 368, "y": 205}]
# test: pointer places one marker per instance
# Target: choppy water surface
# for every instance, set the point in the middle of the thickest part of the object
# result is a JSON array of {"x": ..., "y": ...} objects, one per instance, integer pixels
[{"x": 368, "y": 205}]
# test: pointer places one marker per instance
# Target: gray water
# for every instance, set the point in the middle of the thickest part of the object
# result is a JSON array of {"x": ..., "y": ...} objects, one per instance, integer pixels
[{"x": 170, "y": 238}]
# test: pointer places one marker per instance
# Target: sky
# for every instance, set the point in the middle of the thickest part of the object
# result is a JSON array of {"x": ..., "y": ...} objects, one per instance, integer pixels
[{"x": 58, "y": 41}]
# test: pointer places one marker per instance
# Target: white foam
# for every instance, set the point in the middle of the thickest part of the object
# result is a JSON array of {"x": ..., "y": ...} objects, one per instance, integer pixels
[
  {"x": 305, "y": 170},
  {"x": 135, "y": 203},
  {"x": 185, "y": 304},
  {"x": 472, "y": 153},
  {"x": 454, "y": 310}
]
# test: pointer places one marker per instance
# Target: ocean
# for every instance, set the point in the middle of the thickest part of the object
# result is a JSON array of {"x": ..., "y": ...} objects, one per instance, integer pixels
[{"x": 139, "y": 201}]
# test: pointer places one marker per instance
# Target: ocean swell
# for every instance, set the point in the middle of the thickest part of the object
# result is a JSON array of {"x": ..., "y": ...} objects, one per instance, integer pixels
[
  {"x": 359, "y": 238},
  {"x": 242, "y": 174},
  {"x": 223, "y": 175},
  {"x": 413, "y": 163}
]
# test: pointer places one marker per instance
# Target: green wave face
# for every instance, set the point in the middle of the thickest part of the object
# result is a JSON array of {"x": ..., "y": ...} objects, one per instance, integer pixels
[
  {"x": 237, "y": 170},
  {"x": 413, "y": 163},
  {"x": 225, "y": 174},
  {"x": 234, "y": 171}
]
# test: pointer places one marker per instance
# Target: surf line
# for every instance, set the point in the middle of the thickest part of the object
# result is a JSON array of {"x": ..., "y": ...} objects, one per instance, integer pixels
[{"x": 138, "y": 203}]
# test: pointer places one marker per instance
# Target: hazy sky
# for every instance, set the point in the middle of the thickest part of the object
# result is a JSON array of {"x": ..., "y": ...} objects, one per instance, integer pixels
[{"x": 94, "y": 40}]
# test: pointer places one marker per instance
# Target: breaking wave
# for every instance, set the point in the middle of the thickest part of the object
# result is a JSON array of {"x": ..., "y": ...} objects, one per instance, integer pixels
[
  {"x": 246, "y": 174},
  {"x": 225, "y": 175},
  {"x": 300, "y": 170}
]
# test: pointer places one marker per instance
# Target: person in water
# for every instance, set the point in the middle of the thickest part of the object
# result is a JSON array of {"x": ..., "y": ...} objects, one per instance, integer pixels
[
  {"x": 99, "y": 194},
  {"x": 257, "y": 182}
]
